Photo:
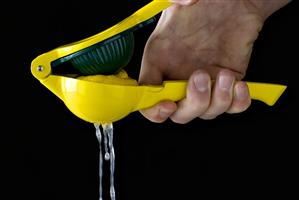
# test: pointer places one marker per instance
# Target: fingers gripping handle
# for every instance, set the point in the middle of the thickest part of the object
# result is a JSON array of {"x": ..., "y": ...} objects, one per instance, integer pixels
[
  {"x": 265, "y": 92},
  {"x": 176, "y": 90}
]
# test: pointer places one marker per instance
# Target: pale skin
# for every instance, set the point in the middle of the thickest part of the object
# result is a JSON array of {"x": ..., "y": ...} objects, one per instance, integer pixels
[{"x": 208, "y": 43}]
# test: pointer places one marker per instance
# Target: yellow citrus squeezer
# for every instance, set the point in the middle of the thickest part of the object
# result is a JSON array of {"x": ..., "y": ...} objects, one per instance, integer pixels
[{"x": 105, "y": 93}]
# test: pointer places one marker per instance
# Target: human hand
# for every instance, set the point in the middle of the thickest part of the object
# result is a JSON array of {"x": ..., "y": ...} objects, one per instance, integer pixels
[{"x": 209, "y": 43}]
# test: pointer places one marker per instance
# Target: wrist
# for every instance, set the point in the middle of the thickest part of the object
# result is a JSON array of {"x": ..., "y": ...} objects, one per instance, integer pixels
[{"x": 267, "y": 8}]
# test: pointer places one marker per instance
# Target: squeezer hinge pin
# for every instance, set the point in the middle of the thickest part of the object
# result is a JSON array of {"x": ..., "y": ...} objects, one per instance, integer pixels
[{"x": 40, "y": 68}]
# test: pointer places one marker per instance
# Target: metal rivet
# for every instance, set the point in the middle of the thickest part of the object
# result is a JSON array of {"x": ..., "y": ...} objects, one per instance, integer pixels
[{"x": 40, "y": 68}]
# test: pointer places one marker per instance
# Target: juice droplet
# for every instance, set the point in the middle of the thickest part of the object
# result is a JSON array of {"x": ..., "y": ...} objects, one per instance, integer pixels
[{"x": 107, "y": 156}]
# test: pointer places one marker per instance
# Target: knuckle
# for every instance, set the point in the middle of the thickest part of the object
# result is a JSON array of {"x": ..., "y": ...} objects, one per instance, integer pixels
[
  {"x": 199, "y": 101},
  {"x": 223, "y": 97},
  {"x": 198, "y": 104}
]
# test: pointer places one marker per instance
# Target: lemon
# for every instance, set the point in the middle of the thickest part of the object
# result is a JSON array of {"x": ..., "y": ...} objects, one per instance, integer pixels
[{"x": 120, "y": 78}]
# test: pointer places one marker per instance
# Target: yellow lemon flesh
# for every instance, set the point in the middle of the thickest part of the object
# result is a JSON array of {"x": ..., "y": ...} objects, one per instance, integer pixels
[{"x": 120, "y": 78}]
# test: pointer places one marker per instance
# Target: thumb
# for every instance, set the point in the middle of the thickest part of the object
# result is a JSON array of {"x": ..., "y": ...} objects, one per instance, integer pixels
[{"x": 184, "y": 2}]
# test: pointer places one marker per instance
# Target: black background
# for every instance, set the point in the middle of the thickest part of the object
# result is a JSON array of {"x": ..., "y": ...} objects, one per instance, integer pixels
[{"x": 48, "y": 153}]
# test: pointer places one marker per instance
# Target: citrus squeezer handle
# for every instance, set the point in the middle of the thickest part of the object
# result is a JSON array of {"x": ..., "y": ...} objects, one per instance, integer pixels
[
  {"x": 265, "y": 92},
  {"x": 176, "y": 90}
]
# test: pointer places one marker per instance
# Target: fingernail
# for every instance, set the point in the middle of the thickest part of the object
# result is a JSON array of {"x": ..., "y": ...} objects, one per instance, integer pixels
[
  {"x": 241, "y": 91},
  {"x": 201, "y": 82},
  {"x": 225, "y": 82},
  {"x": 164, "y": 113}
]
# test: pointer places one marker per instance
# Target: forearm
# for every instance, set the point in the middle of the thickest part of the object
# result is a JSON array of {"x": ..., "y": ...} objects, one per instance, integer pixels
[{"x": 268, "y": 7}]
